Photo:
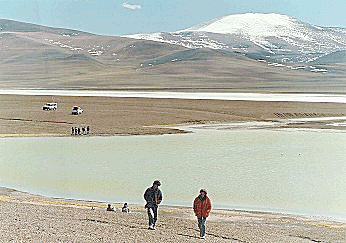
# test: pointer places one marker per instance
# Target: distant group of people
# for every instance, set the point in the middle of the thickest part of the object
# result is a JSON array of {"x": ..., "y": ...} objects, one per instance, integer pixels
[
  {"x": 124, "y": 209},
  {"x": 80, "y": 131},
  {"x": 153, "y": 197}
]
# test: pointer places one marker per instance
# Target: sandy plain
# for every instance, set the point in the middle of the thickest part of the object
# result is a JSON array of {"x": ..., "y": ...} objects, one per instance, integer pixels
[
  {"x": 22, "y": 115},
  {"x": 30, "y": 218}
]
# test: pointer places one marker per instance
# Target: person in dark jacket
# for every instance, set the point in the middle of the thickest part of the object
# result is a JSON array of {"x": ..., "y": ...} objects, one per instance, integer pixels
[
  {"x": 153, "y": 197},
  {"x": 202, "y": 208},
  {"x": 110, "y": 208}
]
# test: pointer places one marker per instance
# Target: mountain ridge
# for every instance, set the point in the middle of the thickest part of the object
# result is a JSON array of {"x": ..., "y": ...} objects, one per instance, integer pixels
[
  {"x": 35, "y": 56},
  {"x": 271, "y": 36}
]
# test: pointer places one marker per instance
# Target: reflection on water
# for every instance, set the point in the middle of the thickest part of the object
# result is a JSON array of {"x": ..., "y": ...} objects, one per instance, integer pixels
[{"x": 287, "y": 170}]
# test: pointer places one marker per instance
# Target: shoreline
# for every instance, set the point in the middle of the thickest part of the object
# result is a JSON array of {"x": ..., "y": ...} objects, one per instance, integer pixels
[
  {"x": 332, "y": 124},
  {"x": 88, "y": 221},
  {"x": 103, "y": 204},
  {"x": 26, "y": 197}
]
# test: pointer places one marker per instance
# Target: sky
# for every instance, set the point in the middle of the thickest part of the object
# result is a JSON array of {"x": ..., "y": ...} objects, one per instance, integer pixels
[{"x": 119, "y": 17}]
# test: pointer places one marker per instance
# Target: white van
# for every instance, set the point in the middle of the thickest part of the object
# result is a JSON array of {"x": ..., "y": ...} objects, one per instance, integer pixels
[
  {"x": 76, "y": 110},
  {"x": 50, "y": 107}
]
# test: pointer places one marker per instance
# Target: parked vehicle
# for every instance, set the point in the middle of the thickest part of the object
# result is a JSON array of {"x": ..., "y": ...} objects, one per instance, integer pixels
[
  {"x": 76, "y": 110},
  {"x": 50, "y": 107}
]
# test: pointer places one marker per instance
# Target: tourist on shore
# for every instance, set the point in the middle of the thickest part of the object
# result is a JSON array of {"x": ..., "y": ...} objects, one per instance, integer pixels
[
  {"x": 125, "y": 208},
  {"x": 202, "y": 207},
  {"x": 110, "y": 208},
  {"x": 153, "y": 196}
]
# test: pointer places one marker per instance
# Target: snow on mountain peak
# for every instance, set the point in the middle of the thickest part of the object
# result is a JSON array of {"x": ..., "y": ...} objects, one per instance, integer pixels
[
  {"x": 256, "y": 26},
  {"x": 260, "y": 35},
  {"x": 257, "y": 23}
]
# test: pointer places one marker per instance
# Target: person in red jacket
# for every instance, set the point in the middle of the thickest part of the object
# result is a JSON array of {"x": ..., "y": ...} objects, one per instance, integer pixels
[{"x": 202, "y": 207}]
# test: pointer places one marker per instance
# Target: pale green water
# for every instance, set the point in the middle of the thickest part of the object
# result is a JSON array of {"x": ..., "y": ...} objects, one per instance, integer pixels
[{"x": 301, "y": 172}]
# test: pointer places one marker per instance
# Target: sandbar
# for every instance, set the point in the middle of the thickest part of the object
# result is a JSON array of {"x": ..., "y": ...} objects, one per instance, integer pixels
[{"x": 22, "y": 115}]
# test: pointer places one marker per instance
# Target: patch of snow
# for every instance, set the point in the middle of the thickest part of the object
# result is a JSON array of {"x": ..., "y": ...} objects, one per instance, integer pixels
[
  {"x": 319, "y": 70},
  {"x": 297, "y": 68},
  {"x": 95, "y": 53},
  {"x": 279, "y": 65},
  {"x": 65, "y": 46},
  {"x": 317, "y": 27},
  {"x": 153, "y": 36}
]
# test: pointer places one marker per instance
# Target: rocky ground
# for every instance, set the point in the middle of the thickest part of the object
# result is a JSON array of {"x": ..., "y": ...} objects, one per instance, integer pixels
[{"x": 29, "y": 218}]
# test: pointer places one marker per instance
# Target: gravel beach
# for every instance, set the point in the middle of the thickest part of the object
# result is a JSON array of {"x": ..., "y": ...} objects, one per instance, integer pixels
[{"x": 30, "y": 218}]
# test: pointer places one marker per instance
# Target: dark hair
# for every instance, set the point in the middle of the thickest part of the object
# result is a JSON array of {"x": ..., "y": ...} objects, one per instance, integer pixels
[
  {"x": 157, "y": 182},
  {"x": 203, "y": 190}
]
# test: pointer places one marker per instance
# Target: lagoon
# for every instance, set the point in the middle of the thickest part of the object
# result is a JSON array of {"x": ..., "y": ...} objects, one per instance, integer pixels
[
  {"x": 291, "y": 171},
  {"x": 288, "y": 97}
]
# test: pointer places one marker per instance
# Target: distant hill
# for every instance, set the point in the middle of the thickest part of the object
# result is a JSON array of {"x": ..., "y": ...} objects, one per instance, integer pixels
[
  {"x": 34, "y": 56},
  {"x": 16, "y": 26},
  {"x": 334, "y": 57}
]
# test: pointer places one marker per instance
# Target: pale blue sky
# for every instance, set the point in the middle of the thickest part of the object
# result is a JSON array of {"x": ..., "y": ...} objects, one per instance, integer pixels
[{"x": 116, "y": 17}]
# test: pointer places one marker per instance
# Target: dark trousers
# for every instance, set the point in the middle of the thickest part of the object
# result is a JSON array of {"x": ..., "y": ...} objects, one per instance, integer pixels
[
  {"x": 201, "y": 225},
  {"x": 152, "y": 213}
]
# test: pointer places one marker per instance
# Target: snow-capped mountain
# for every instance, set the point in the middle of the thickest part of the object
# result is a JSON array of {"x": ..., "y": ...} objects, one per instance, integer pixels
[{"x": 272, "y": 37}]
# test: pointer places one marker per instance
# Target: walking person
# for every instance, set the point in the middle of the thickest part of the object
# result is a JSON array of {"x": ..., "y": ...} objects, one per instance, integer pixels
[
  {"x": 202, "y": 208},
  {"x": 153, "y": 196}
]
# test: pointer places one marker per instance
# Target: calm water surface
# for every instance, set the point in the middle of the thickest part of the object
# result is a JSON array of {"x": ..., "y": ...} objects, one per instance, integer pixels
[{"x": 300, "y": 172}]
